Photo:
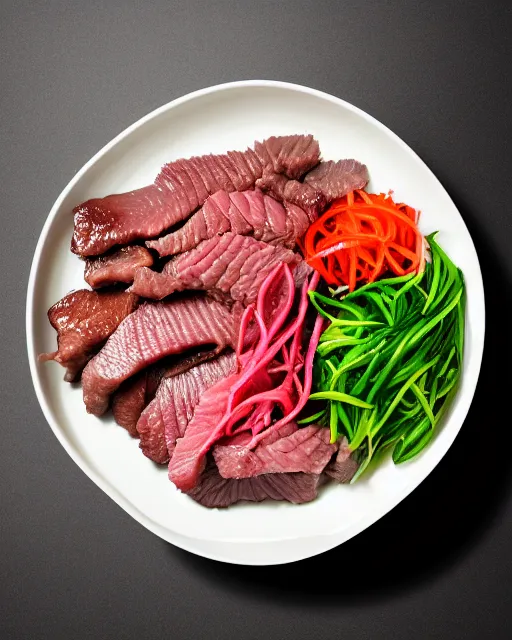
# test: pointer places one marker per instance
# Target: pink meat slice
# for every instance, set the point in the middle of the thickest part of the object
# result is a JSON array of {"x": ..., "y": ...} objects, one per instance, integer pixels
[
  {"x": 153, "y": 332},
  {"x": 328, "y": 181},
  {"x": 129, "y": 401},
  {"x": 336, "y": 179},
  {"x": 119, "y": 266},
  {"x": 214, "y": 491},
  {"x": 245, "y": 213},
  {"x": 187, "y": 463},
  {"x": 289, "y": 154},
  {"x": 180, "y": 188},
  {"x": 344, "y": 466},
  {"x": 304, "y": 196},
  {"x": 84, "y": 320},
  {"x": 229, "y": 266},
  {"x": 305, "y": 450},
  {"x": 166, "y": 417},
  {"x": 134, "y": 394}
]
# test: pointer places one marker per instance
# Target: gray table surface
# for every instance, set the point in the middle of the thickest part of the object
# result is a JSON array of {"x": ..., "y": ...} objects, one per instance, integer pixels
[{"x": 73, "y": 75}]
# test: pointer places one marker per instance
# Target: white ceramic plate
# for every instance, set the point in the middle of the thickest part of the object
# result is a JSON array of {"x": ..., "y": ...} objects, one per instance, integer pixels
[{"x": 232, "y": 116}]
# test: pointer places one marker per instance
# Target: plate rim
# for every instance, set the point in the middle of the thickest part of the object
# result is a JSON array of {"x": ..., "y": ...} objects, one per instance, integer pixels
[{"x": 187, "y": 542}]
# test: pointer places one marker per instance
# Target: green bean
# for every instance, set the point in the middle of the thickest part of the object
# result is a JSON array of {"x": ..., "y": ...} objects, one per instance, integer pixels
[
  {"x": 357, "y": 362},
  {"x": 333, "y": 422},
  {"x": 389, "y": 364},
  {"x": 342, "y": 414},
  {"x": 409, "y": 446},
  {"x": 314, "y": 418},
  {"x": 411, "y": 283},
  {"x": 340, "y": 397},
  {"x": 402, "y": 391},
  {"x": 381, "y": 284},
  {"x": 434, "y": 285},
  {"x": 424, "y": 403}
]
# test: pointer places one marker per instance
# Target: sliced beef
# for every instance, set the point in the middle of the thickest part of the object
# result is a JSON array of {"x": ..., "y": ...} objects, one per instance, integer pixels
[
  {"x": 336, "y": 179},
  {"x": 244, "y": 213},
  {"x": 180, "y": 188},
  {"x": 288, "y": 154},
  {"x": 187, "y": 462},
  {"x": 134, "y": 394},
  {"x": 128, "y": 402},
  {"x": 215, "y": 491},
  {"x": 297, "y": 223},
  {"x": 344, "y": 465},
  {"x": 121, "y": 218},
  {"x": 151, "y": 333},
  {"x": 84, "y": 320},
  {"x": 307, "y": 450},
  {"x": 304, "y": 196},
  {"x": 119, "y": 266},
  {"x": 165, "y": 419},
  {"x": 183, "y": 362},
  {"x": 328, "y": 181},
  {"x": 229, "y": 266}
]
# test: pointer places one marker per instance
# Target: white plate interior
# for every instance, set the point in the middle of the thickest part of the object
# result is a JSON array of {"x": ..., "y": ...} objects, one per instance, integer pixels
[{"x": 215, "y": 120}]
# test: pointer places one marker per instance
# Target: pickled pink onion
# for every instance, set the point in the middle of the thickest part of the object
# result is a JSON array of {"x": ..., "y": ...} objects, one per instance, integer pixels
[{"x": 270, "y": 367}]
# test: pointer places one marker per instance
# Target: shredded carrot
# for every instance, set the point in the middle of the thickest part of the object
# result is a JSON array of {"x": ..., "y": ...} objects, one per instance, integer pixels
[{"x": 363, "y": 236}]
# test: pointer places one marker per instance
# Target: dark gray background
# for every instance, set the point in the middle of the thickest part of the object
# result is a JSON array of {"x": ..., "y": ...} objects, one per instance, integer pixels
[{"x": 72, "y": 76}]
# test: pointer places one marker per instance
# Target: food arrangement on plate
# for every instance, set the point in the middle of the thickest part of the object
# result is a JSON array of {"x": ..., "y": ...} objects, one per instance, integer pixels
[{"x": 261, "y": 323}]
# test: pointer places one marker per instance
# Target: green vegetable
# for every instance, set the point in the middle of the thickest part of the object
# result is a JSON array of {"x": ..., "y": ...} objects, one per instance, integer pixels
[{"x": 388, "y": 365}]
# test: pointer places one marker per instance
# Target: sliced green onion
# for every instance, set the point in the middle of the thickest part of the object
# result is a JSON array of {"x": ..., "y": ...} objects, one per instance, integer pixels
[{"x": 389, "y": 363}]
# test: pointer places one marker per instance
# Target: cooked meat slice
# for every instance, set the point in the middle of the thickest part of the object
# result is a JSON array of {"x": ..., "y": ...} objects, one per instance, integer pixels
[
  {"x": 129, "y": 401},
  {"x": 166, "y": 417},
  {"x": 179, "y": 189},
  {"x": 289, "y": 154},
  {"x": 188, "y": 460},
  {"x": 328, "y": 181},
  {"x": 336, "y": 179},
  {"x": 307, "y": 450},
  {"x": 84, "y": 320},
  {"x": 344, "y": 465},
  {"x": 213, "y": 490},
  {"x": 228, "y": 266},
  {"x": 153, "y": 332},
  {"x": 119, "y": 266},
  {"x": 304, "y": 196},
  {"x": 247, "y": 213},
  {"x": 134, "y": 394}
]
